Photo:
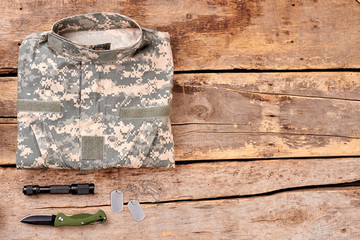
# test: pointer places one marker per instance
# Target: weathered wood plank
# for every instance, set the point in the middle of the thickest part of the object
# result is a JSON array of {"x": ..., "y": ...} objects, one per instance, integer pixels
[
  {"x": 321, "y": 214},
  {"x": 266, "y": 115},
  {"x": 229, "y": 116},
  {"x": 8, "y": 138},
  {"x": 217, "y": 34},
  {"x": 210, "y": 142},
  {"x": 337, "y": 85},
  {"x": 222, "y": 179},
  {"x": 8, "y": 96},
  {"x": 332, "y": 85},
  {"x": 8, "y": 120},
  {"x": 200, "y": 143},
  {"x": 221, "y": 103}
]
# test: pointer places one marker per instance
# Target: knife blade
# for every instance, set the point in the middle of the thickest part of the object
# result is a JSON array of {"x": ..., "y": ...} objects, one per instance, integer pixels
[{"x": 62, "y": 219}]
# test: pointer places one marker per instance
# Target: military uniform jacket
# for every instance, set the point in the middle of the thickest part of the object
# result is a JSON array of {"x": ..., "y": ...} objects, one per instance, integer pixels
[{"x": 95, "y": 92}]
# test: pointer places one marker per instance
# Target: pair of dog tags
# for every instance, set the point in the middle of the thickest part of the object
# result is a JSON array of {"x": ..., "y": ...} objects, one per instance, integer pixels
[{"x": 117, "y": 205}]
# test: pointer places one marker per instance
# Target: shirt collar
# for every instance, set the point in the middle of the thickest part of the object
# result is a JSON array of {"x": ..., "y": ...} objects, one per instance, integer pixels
[{"x": 91, "y": 22}]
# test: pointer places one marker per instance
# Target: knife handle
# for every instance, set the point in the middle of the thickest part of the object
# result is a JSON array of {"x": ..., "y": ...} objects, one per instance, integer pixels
[{"x": 79, "y": 219}]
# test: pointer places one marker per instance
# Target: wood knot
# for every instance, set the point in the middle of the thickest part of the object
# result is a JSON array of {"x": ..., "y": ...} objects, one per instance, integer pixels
[
  {"x": 286, "y": 217},
  {"x": 288, "y": 127},
  {"x": 200, "y": 111},
  {"x": 294, "y": 216},
  {"x": 200, "y": 108}
]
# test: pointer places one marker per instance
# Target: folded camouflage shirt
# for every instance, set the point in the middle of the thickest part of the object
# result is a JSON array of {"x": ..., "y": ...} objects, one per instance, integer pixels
[{"x": 95, "y": 92}]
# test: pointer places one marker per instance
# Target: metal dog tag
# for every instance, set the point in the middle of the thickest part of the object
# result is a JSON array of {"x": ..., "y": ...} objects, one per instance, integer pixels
[
  {"x": 136, "y": 210},
  {"x": 117, "y": 201}
]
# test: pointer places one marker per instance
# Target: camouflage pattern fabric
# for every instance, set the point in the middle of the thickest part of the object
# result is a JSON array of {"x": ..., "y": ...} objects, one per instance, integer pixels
[{"x": 87, "y": 103}]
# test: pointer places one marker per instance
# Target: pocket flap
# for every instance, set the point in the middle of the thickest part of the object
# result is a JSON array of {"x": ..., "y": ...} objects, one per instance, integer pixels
[
  {"x": 47, "y": 146},
  {"x": 143, "y": 142}
]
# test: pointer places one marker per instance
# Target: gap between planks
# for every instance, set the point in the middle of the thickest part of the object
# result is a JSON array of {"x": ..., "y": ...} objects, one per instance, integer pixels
[
  {"x": 224, "y": 179},
  {"x": 339, "y": 186},
  {"x": 14, "y": 71}
]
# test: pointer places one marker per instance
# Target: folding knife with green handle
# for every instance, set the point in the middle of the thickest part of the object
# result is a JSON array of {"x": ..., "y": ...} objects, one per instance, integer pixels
[{"x": 64, "y": 220}]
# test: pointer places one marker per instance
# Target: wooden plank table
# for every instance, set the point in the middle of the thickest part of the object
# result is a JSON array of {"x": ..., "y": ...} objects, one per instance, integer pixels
[{"x": 265, "y": 116}]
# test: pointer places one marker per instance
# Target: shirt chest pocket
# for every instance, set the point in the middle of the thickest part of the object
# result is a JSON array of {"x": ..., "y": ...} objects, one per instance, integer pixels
[
  {"x": 37, "y": 124},
  {"x": 46, "y": 143}
]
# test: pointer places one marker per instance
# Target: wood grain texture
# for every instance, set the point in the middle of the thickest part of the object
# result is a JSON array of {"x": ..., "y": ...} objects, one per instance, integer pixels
[
  {"x": 248, "y": 115},
  {"x": 266, "y": 115},
  {"x": 216, "y": 34},
  {"x": 185, "y": 182},
  {"x": 8, "y": 96},
  {"x": 8, "y": 120},
  {"x": 8, "y": 138},
  {"x": 320, "y": 214}
]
